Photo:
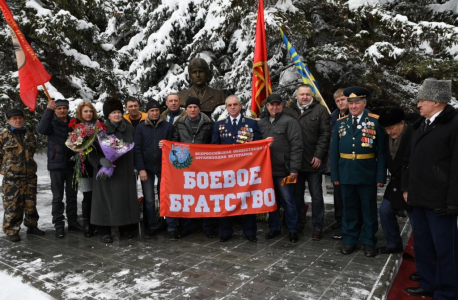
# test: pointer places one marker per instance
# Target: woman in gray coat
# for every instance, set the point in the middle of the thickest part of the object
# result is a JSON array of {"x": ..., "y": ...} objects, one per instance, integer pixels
[{"x": 114, "y": 200}]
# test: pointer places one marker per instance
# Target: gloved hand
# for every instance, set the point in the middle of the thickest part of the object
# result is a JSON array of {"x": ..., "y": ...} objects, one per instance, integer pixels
[
  {"x": 105, "y": 162},
  {"x": 450, "y": 210},
  {"x": 440, "y": 211}
]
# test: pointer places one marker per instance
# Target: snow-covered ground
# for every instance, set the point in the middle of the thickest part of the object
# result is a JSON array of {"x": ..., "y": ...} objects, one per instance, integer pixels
[{"x": 13, "y": 288}]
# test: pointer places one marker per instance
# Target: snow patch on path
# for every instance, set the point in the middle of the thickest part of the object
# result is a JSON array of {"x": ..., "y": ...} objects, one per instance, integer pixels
[{"x": 14, "y": 288}]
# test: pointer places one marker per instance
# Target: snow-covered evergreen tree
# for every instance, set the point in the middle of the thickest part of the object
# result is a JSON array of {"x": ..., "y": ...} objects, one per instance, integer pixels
[{"x": 96, "y": 48}]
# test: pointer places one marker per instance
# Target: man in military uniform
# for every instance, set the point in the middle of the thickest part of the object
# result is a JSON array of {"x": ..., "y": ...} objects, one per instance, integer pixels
[
  {"x": 17, "y": 147},
  {"x": 199, "y": 73},
  {"x": 236, "y": 129},
  {"x": 358, "y": 164}
]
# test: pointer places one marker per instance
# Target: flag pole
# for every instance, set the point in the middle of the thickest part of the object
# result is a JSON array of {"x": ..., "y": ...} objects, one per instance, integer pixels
[
  {"x": 46, "y": 92},
  {"x": 318, "y": 91}
]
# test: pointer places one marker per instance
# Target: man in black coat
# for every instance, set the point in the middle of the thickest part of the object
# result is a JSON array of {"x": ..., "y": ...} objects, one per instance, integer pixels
[
  {"x": 430, "y": 185},
  {"x": 54, "y": 124},
  {"x": 148, "y": 158},
  {"x": 399, "y": 133},
  {"x": 286, "y": 158},
  {"x": 314, "y": 121}
]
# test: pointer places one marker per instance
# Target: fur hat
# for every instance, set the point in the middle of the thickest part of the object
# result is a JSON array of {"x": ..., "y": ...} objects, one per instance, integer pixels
[
  {"x": 61, "y": 102},
  {"x": 14, "y": 112},
  {"x": 110, "y": 105},
  {"x": 391, "y": 117},
  {"x": 192, "y": 100},
  {"x": 435, "y": 90},
  {"x": 152, "y": 104}
]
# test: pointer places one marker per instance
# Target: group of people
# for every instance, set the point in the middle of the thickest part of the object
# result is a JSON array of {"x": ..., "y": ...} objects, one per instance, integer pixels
[{"x": 355, "y": 147}]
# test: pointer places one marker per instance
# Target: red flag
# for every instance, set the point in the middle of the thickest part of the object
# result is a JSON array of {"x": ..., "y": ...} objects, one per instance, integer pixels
[
  {"x": 261, "y": 78},
  {"x": 31, "y": 71}
]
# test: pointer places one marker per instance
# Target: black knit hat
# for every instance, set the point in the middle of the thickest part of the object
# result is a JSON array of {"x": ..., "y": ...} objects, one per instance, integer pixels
[
  {"x": 192, "y": 100},
  {"x": 14, "y": 112},
  {"x": 110, "y": 105},
  {"x": 152, "y": 104},
  {"x": 391, "y": 117}
]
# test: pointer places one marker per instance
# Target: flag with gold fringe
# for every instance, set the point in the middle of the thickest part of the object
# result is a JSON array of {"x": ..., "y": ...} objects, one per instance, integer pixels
[
  {"x": 30, "y": 69},
  {"x": 306, "y": 75},
  {"x": 261, "y": 79}
]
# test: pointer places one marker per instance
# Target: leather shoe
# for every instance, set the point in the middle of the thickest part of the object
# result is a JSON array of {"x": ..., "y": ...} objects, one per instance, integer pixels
[
  {"x": 293, "y": 238},
  {"x": 224, "y": 238},
  {"x": 317, "y": 235},
  {"x": 75, "y": 227},
  {"x": 414, "y": 277},
  {"x": 13, "y": 238},
  {"x": 417, "y": 291},
  {"x": 387, "y": 250},
  {"x": 347, "y": 249},
  {"x": 174, "y": 235},
  {"x": 252, "y": 238},
  {"x": 271, "y": 234},
  {"x": 107, "y": 238},
  {"x": 369, "y": 251},
  {"x": 60, "y": 233},
  {"x": 35, "y": 231}
]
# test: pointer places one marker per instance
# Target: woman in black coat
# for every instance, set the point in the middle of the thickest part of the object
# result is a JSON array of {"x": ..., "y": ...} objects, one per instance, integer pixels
[{"x": 115, "y": 201}]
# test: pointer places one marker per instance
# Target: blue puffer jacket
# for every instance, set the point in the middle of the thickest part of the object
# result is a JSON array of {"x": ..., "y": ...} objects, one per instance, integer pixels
[
  {"x": 57, "y": 131},
  {"x": 148, "y": 156}
]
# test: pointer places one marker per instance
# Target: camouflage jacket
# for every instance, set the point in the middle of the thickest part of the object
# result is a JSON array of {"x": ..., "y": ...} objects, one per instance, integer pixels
[{"x": 16, "y": 158}]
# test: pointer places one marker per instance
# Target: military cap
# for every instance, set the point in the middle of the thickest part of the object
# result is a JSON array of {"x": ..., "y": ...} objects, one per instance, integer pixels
[
  {"x": 356, "y": 93},
  {"x": 14, "y": 112},
  {"x": 61, "y": 102},
  {"x": 391, "y": 117},
  {"x": 274, "y": 98}
]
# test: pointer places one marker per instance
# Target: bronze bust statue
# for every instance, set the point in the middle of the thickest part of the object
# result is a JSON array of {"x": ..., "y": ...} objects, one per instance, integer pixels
[{"x": 199, "y": 73}]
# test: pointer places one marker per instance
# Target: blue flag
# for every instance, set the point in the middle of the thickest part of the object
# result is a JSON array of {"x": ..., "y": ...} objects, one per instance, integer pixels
[{"x": 307, "y": 77}]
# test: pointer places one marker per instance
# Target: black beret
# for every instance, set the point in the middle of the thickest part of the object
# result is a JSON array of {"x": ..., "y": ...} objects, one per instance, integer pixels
[
  {"x": 391, "y": 117},
  {"x": 274, "y": 98},
  {"x": 110, "y": 105},
  {"x": 192, "y": 100},
  {"x": 61, "y": 102},
  {"x": 14, "y": 112},
  {"x": 152, "y": 104},
  {"x": 356, "y": 93}
]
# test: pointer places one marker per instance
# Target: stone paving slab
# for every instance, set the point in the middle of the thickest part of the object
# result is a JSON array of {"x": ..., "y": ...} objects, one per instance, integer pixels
[{"x": 197, "y": 267}]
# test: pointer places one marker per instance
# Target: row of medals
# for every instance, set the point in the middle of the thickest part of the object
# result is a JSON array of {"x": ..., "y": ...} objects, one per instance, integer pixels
[
  {"x": 369, "y": 133},
  {"x": 245, "y": 134},
  {"x": 368, "y": 129}
]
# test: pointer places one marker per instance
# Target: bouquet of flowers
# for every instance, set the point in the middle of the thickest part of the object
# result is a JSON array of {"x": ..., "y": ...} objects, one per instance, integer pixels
[
  {"x": 113, "y": 148},
  {"x": 80, "y": 140}
]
